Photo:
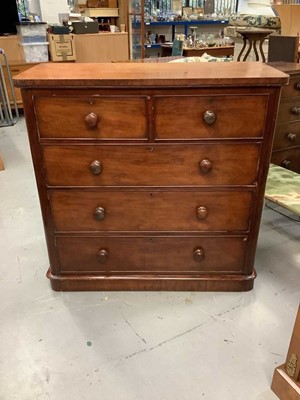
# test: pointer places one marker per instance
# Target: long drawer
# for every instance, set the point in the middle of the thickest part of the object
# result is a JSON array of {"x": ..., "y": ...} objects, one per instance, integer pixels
[
  {"x": 289, "y": 158},
  {"x": 114, "y": 117},
  {"x": 287, "y": 135},
  {"x": 126, "y": 117},
  {"x": 293, "y": 88},
  {"x": 151, "y": 165},
  {"x": 223, "y": 116},
  {"x": 151, "y": 210},
  {"x": 159, "y": 255},
  {"x": 289, "y": 110}
]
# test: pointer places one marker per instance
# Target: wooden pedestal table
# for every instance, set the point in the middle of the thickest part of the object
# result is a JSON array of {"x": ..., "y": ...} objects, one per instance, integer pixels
[
  {"x": 250, "y": 38},
  {"x": 286, "y": 379}
]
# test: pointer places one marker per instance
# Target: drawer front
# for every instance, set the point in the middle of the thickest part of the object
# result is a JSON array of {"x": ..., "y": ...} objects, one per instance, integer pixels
[
  {"x": 100, "y": 118},
  {"x": 196, "y": 117},
  {"x": 287, "y": 135},
  {"x": 151, "y": 211},
  {"x": 293, "y": 88},
  {"x": 289, "y": 110},
  {"x": 289, "y": 159},
  {"x": 160, "y": 255},
  {"x": 156, "y": 165}
]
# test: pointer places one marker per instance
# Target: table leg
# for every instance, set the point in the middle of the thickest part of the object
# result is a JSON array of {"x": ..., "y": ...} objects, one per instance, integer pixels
[
  {"x": 261, "y": 50},
  {"x": 248, "y": 52},
  {"x": 243, "y": 48},
  {"x": 255, "y": 51}
]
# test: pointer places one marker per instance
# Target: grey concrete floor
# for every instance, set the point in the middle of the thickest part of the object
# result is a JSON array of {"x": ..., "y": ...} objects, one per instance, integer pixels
[{"x": 134, "y": 345}]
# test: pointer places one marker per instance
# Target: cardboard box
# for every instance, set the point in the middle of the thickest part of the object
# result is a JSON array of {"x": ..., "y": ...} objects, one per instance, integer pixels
[
  {"x": 109, "y": 3},
  {"x": 62, "y": 47},
  {"x": 102, "y": 3},
  {"x": 93, "y": 3},
  {"x": 104, "y": 12}
]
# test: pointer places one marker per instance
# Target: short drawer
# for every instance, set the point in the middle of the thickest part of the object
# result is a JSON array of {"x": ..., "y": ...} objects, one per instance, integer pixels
[
  {"x": 198, "y": 117},
  {"x": 150, "y": 210},
  {"x": 159, "y": 255},
  {"x": 97, "y": 118},
  {"x": 155, "y": 165},
  {"x": 289, "y": 110},
  {"x": 287, "y": 135},
  {"x": 293, "y": 88},
  {"x": 289, "y": 159}
]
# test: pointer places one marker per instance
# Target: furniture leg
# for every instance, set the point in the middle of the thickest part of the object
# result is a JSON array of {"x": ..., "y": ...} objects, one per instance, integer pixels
[
  {"x": 243, "y": 48},
  {"x": 255, "y": 50},
  {"x": 261, "y": 50},
  {"x": 248, "y": 52}
]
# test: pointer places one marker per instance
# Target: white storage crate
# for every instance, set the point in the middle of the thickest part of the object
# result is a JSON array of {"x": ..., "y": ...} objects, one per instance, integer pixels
[
  {"x": 32, "y": 32},
  {"x": 35, "y": 52}
]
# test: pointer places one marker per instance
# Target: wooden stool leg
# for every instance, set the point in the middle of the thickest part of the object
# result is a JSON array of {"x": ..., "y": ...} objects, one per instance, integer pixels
[
  {"x": 243, "y": 48},
  {"x": 255, "y": 51},
  {"x": 249, "y": 49},
  {"x": 261, "y": 50},
  {"x": 285, "y": 383},
  {"x": 1, "y": 164}
]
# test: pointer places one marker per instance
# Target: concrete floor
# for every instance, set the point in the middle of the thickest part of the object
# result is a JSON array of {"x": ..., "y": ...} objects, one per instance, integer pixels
[{"x": 128, "y": 345}]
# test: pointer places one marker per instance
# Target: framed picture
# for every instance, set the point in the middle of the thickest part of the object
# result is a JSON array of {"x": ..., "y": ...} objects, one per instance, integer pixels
[
  {"x": 198, "y": 10},
  {"x": 187, "y": 10},
  {"x": 176, "y": 6}
]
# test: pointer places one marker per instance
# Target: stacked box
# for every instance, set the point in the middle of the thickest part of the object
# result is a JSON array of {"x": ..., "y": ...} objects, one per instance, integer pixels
[
  {"x": 33, "y": 42},
  {"x": 35, "y": 52},
  {"x": 62, "y": 47},
  {"x": 32, "y": 32}
]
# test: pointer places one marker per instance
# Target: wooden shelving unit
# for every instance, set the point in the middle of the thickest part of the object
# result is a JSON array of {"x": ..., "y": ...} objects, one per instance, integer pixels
[{"x": 136, "y": 29}]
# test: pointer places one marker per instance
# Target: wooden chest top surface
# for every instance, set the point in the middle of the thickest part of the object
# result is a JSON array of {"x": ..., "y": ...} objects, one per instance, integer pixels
[{"x": 156, "y": 74}]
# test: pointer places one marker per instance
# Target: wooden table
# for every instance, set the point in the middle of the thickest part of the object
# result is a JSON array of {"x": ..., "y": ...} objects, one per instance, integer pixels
[
  {"x": 222, "y": 51},
  {"x": 250, "y": 38}
]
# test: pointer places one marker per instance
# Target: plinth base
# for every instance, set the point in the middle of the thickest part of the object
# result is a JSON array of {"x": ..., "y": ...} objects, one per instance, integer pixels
[
  {"x": 283, "y": 386},
  {"x": 220, "y": 282}
]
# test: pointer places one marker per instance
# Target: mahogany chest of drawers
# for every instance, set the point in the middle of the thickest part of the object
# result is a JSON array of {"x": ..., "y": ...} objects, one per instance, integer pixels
[
  {"x": 286, "y": 147},
  {"x": 151, "y": 176}
]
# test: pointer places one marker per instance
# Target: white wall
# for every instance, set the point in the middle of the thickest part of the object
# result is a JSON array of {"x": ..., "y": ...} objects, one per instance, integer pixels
[
  {"x": 34, "y": 6},
  {"x": 48, "y": 9}
]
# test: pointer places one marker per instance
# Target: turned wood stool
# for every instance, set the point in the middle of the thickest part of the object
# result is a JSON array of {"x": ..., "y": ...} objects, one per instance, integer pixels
[
  {"x": 286, "y": 378},
  {"x": 1, "y": 164},
  {"x": 251, "y": 36}
]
